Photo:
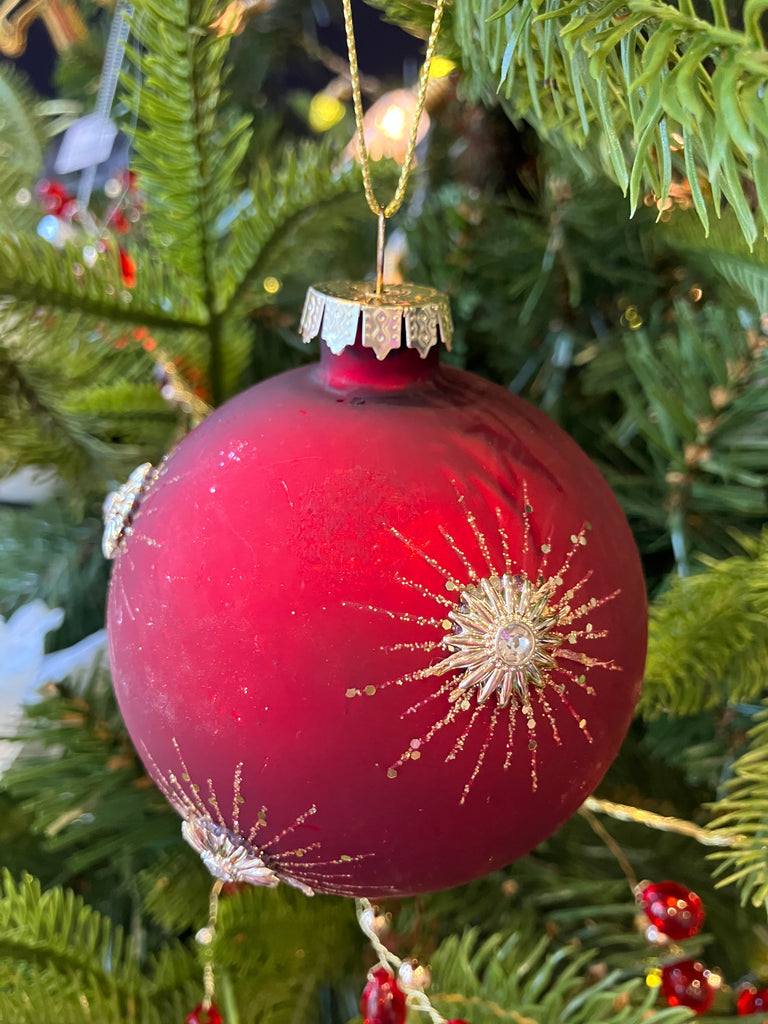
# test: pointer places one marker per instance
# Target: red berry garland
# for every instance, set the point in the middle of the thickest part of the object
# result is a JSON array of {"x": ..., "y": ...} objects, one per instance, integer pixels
[
  {"x": 686, "y": 983},
  {"x": 752, "y": 1000},
  {"x": 673, "y": 909},
  {"x": 200, "y": 1016},
  {"x": 382, "y": 1002}
]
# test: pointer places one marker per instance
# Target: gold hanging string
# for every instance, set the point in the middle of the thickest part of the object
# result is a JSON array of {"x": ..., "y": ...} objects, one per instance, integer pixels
[
  {"x": 385, "y": 212},
  {"x": 662, "y": 822}
]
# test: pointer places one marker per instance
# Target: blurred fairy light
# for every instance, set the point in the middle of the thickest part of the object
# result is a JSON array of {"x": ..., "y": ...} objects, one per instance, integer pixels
[
  {"x": 393, "y": 122},
  {"x": 387, "y": 124},
  {"x": 235, "y": 15},
  {"x": 272, "y": 285},
  {"x": 441, "y": 67},
  {"x": 631, "y": 318},
  {"x": 653, "y": 978},
  {"x": 325, "y": 111}
]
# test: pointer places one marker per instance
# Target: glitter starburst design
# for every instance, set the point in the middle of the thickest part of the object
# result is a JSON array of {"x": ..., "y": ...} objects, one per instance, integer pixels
[
  {"x": 524, "y": 637},
  {"x": 231, "y": 858},
  {"x": 503, "y": 637},
  {"x": 235, "y": 854}
]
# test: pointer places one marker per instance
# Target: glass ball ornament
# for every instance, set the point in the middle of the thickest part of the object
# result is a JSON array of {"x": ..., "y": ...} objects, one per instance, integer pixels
[
  {"x": 376, "y": 626},
  {"x": 752, "y": 1000},
  {"x": 673, "y": 909},
  {"x": 201, "y": 1015},
  {"x": 382, "y": 1001},
  {"x": 687, "y": 983}
]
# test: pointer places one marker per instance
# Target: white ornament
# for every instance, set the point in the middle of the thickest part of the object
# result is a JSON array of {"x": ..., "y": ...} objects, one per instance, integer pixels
[{"x": 24, "y": 665}]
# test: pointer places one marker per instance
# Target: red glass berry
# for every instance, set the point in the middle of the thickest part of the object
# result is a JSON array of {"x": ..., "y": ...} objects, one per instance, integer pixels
[
  {"x": 686, "y": 983},
  {"x": 382, "y": 1001},
  {"x": 127, "y": 268},
  {"x": 202, "y": 1016},
  {"x": 120, "y": 222},
  {"x": 53, "y": 196},
  {"x": 752, "y": 1000},
  {"x": 673, "y": 909}
]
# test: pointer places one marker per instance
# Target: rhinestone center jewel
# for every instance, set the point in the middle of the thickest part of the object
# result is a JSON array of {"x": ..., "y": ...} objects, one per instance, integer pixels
[{"x": 515, "y": 644}]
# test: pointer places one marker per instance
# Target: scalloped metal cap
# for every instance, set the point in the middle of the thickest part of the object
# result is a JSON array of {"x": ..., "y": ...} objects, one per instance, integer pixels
[{"x": 333, "y": 309}]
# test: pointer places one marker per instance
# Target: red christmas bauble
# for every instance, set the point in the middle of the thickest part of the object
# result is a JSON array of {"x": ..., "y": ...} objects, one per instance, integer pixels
[
  {"x": 752, "y": 1000},
  {"x": 686, "y": 983},
  {"x": 375, "y": 627},
  {"x": 382, "y": 1001},
  {"x": 202, "y": 1016},
  {"x": 674, "y": 909}
]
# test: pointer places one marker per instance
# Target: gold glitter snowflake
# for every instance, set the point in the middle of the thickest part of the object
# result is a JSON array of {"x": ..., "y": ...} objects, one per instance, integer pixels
[{"x": 524, "y": 639}]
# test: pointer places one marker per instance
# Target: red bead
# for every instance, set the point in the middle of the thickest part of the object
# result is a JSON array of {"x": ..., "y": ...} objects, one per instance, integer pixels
[
  {"x": 752, "y": 1000},
  {"x": 200, "y": 1016},
  {"x": 120, "y": 222},
  {"x": 53, "y": 196},
  {"x": 382, "y": 1001},
  {"x": 673, "y": 909},
  {"x": 127, "y": 268},
  {"x": 686, "y": 983}
]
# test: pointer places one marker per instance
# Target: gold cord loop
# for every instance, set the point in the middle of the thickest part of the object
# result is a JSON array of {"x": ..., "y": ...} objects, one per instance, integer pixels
[{"x": 354, "y": 72}]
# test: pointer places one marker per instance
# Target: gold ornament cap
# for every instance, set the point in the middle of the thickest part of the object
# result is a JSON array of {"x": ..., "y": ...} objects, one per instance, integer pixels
[{"x": 334, "y": 310}]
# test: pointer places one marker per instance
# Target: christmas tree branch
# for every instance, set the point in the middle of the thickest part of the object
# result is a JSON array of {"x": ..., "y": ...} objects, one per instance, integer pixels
[
  {"x": 278, "y": 200},
  {"x": 32, "y": 270},
  {"x": 692, "y": 422},
  {"x": 190, "y": 174},
  {"x": 743, "y": 808},
  {"x": 629, "y": 79},
  {"x": 708, "y": 640},
  {"x": 523, "y": 979},
  {"x": 56, "y": 949}
]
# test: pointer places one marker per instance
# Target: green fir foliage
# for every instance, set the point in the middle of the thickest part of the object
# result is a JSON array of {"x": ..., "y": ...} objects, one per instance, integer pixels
[
  {"x": 67, "y": 398},
  {"x": 644, "y": 340},
  {"x": 709, "y": 637},
  {"x": 741, "y": 815},
  {"x": 624, "y": 81},
  {"x": 517, "y": 977},
  {"x": 61, "y": 960}
]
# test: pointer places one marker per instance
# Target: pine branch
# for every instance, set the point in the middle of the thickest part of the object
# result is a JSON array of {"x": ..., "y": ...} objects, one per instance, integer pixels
[
  {"x": 21, "y": 143},
  {"x": 708, "y": 637},
  {"x": 191, "y": 176},
  {"x": 693, "y": 424},
  {"x": 31, "y": 269},
  {"x": 277, "y": 201},
  {"x": 743, "y": 811},
  {"x": 726, "y": 251},
  {"x": 59, "y": 956},
  {"x": 112, "y": 817},
  {"x": 70, "y": 399},
  {"x": 518, "y": 978},
  {"x": 628, "y": 79}
]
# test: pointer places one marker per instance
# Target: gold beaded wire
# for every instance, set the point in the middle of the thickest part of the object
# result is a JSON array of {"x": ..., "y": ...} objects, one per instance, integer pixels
[{"x": 385, "y": 212}]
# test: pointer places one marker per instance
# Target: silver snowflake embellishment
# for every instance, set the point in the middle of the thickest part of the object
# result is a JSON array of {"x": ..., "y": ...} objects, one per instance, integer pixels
[
  {"x": 231, "y": 858},
  {"x": 121, "y": 506},
  {"x": 501, "y": 639}
]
